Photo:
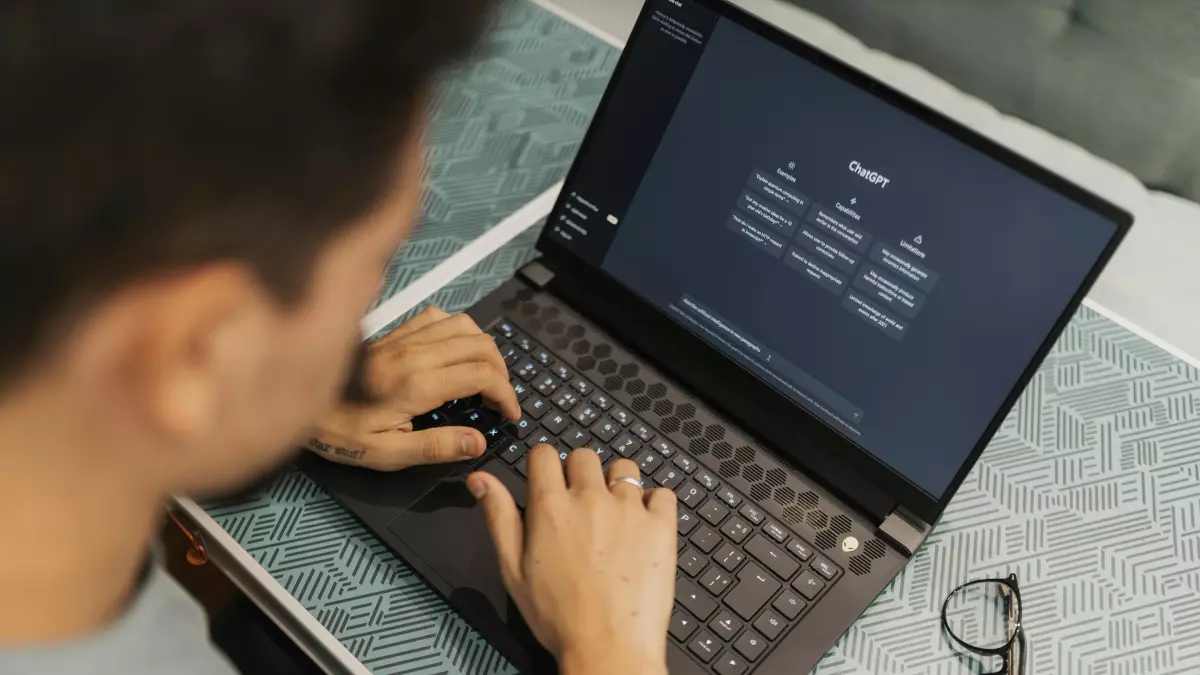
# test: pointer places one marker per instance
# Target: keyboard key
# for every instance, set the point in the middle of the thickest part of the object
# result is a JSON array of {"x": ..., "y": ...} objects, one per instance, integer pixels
[
  {"x": 705, "y": 539},
  {"x": 708, "y": 480},
  {"x": 755, "y": 587},
  {"x": 753, "y": 514},
  {"x": 690, "y": 495},
  {"x": 750, "y": 645},
  {"x": 692, "y": 563},
  {"x": 506, "y": 329},
  {"x": 623, "y": 416},
  {"x": 648, "y": 462},
  {"x": 562, "y": 372},
  {"x": 716, "y": 580},
  {"x": 521, "y": 467},
  {"x": 729, "y": 664},
  {"x": 576, "y": 437},
  {"x": 809, "y": 584},
  {"x": 586, "y": 414},
  {"x": 603, "y": 453},
  {"x": 521, "y": 389},
  {"x": 512, "y": 452},
  {"x": 664, "y": 447},
  {"x": 511, "y": 354},
  {"x": 430, "y": 420},
  {"x": 556, "y": 423},
  {"x": 542, "y": 437},
  {"x": 686, "y": 521},
  {"x": 775, "y": 531},
  {"x": 770, "y": 624},
  {"x": 582, "y": 386},
  {"x": 669, "y": 477},
  {"x": 522, "y": 427},
  {"x": 542, "y": 356},
  {"x": 693, "y": 599},
  {"x": 494, "y": 436},
  {"x": 536, "y": 407},
  {"x": 602, "y": 401},
  {"x": 799, "y": 549},
  {"x": 564, "y": 450},
  {"x": 825, "y": 568},
  {"x": 642, "y": 431},
  {"x": 729, "y": 497},
  {"x": 772, "y": 556},
  {"x": 705, "y": 647},
  {"x": 527, "y": 345},
  {"x": 682, "y": 625},
  {"x": 728, "y": 557},
  {"x": 605, "y": 430},
  {"x": 684, "y": 462},
  {"x": 789, "y": 604},
  {"x": 527, "y": 370},
  {"x": 566, "y": 399},
  {"x": 714, "y": 511},
  {"x": 736, "y": 529},
  {"x": 725, "y": 625},
  {"x": 546, "y": 384},
  {"x": 626, "y": 445}
]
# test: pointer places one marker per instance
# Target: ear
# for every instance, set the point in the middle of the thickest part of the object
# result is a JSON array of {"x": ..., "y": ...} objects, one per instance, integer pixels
[{"x": 196, "y": 336}]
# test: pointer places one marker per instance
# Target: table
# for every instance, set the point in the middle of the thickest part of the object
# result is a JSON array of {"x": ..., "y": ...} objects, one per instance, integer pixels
[{"x": 1090, "y": 492}]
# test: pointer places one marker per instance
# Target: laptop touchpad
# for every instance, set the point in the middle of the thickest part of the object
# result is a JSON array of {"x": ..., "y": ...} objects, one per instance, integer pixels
[{"x": 446, "y": 529}]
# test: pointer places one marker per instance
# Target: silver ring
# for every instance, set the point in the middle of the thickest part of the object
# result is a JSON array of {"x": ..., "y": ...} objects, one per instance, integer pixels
[{"x": 625, "y": 479}]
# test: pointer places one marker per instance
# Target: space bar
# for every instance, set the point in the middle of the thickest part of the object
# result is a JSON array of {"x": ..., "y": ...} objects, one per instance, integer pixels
[{"x": 518, "y": 487}]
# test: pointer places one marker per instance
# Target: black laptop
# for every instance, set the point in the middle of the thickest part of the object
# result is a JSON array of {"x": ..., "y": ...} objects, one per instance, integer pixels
[{"x": 797, "y": 298}]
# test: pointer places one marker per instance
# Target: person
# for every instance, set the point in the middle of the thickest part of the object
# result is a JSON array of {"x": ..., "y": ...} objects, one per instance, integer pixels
[{"x": 197, "y": 202}]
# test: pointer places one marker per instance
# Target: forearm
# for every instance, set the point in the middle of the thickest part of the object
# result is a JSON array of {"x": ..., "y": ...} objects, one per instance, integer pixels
[{"x": 609, "y": 662}]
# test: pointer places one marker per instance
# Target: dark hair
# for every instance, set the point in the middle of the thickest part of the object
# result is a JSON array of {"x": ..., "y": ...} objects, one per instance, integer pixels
[{"x": 140, "y": 137}]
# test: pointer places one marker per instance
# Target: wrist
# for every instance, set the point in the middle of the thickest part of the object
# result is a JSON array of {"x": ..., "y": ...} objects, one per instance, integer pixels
[{"x": 606, "y": 660}]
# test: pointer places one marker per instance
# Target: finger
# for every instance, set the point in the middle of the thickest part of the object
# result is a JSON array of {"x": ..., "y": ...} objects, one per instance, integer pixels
[
  {"x": 433, "y": 446},
  {"x": 584, "y": 471},
  {"x": 458, "y": 325},
  {"x": 504, "y": 525},
  {"x": 623, "y": 468},
  {"x": 662, "y": 503},
  {"x": 545, "y": 474},
  {"x": 427, "y": 317},
  {"x": 431, "y": 389},
  {"x": 460, "y": 349}
]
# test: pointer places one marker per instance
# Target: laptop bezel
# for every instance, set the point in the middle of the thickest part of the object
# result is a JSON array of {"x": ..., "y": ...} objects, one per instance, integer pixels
[{"x": 845, "y": 467}]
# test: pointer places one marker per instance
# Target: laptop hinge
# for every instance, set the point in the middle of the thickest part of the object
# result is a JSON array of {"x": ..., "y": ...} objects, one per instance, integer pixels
[
  {"x": 537, "y": 274},
  {"x": 904, "y": 530}
]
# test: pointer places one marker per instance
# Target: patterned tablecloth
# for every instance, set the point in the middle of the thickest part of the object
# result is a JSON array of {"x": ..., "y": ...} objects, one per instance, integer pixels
[{"x": 1090, "y": 492}]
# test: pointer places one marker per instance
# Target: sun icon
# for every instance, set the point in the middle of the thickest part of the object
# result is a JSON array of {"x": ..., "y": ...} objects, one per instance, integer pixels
[{"x": 791, "y": 165}]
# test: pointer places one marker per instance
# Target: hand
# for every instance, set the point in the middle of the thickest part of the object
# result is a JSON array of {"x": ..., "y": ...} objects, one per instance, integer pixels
[
  {"x": 427, "y": 361},
  {"x": 592, "y": 569}
]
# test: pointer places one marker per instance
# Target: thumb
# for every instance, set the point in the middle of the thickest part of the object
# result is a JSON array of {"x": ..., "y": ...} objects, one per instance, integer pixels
[
  {"x": 437, "y": 446},
  {"x": 504, "y": 524}
]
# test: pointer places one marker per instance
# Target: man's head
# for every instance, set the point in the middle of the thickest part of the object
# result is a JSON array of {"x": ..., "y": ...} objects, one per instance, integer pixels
[{"x": 197, "y": 198}]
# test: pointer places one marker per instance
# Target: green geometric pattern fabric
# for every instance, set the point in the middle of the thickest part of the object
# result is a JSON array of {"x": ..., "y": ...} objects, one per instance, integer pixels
[
  {"x": 1090, "y": 492},
  {"x": 506, "y": 127}
]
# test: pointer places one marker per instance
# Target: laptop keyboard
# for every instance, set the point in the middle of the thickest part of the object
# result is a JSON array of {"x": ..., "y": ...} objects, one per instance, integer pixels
[{"x": 744, "y": 579}]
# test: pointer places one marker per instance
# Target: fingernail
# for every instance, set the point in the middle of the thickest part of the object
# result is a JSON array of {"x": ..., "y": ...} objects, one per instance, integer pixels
[
  {"x": 470, "y": 447},
  {"x": 477, "y": 486}
]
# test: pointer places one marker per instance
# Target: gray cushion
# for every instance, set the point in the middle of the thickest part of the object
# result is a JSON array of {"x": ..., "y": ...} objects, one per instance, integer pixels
[{"x": 1121, "y": 78}]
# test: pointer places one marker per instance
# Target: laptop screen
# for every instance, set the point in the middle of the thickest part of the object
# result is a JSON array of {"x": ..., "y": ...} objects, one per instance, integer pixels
[{"x": 888, "y": 278}]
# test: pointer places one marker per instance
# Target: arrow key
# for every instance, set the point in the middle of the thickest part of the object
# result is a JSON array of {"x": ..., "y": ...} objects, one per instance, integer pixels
[
  {"x": 683, "y": 625},
  {"x": 693, "y": 599},
  {"x": 725, "y": 625},
  {"x": 729, "y": 664},
  {"x": 704, "y": 646}
]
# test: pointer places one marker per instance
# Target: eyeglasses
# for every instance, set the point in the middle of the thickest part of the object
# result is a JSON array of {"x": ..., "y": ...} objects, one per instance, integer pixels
[{"x": 984, "y": 617}]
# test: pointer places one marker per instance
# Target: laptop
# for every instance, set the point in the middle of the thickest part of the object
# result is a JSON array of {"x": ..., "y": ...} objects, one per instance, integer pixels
[{"x": 794, "y": 296}]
